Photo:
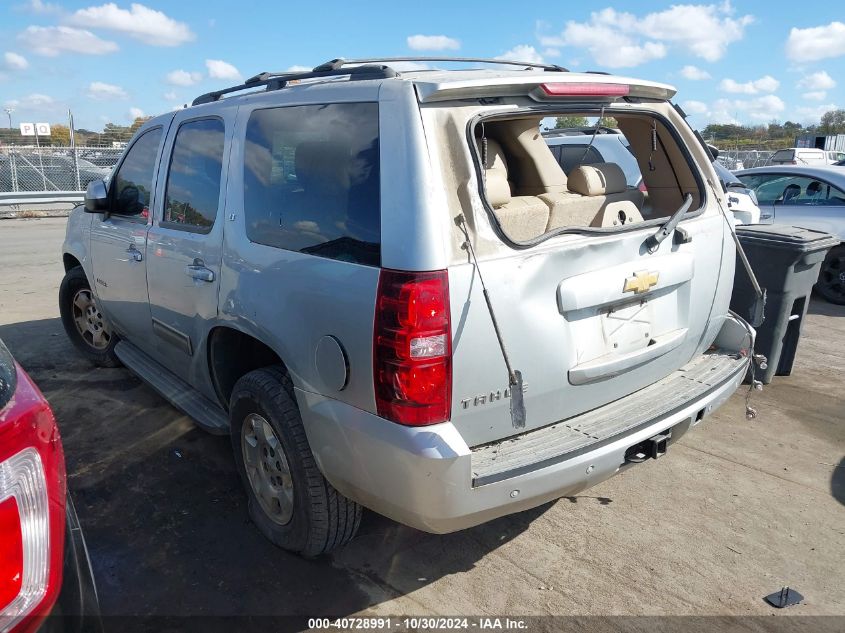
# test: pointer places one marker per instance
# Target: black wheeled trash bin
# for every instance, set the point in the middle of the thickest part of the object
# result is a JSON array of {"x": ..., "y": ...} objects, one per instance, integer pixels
[{"x": 786, "y": 261}]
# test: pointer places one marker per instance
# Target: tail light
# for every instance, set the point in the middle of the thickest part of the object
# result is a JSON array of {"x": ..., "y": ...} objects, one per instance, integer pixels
[
  {"x": 642, "y": 187},
  {"x": 32, "y": 508},
  {"x": 412, "y": 347}
]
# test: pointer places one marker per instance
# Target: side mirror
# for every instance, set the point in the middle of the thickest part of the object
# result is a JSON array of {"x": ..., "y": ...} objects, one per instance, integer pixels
[
  {"x": 96, "y": 197},
  {"x": 714, "y": 151}
]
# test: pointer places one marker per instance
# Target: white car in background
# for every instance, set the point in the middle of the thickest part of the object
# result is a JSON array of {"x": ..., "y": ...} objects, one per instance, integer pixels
[
  {"x": 742, "y": 202},
  {"x": 806, "y": 156},
  {"x": 809, "y": 197}
]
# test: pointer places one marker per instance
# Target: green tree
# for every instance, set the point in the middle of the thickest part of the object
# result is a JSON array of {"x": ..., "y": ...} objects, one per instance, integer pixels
[
  {"x": 137, "y": 123},
  {"x": 570, "y": 121},
  {"x": 59, "y": 135},
  {"x": 833, "y": 122}
]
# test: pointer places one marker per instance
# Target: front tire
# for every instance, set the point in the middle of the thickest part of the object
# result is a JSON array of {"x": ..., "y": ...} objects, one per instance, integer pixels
[
  {"x": 289, "y": 499},
  {"x": 83, "y": 321},
  {"x": 831, "y": 283}
]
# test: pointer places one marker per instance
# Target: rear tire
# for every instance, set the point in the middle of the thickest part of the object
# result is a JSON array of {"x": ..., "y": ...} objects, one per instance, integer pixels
[
  {"x": 289, "y": 499},
  {"x": 83, "y": 321},
  {"x": 831, "y": 283}
]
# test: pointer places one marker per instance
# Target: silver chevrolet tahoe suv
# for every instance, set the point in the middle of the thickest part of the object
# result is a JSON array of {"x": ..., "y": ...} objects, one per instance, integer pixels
[{"x": 385, "y": 289}]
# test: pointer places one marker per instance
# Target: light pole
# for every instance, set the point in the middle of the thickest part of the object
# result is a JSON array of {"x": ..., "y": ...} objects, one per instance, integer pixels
[{"x": 9, "y": 114}]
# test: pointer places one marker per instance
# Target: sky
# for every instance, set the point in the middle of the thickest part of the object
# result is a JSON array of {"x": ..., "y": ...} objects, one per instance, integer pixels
[{"x": 732, "y": 62}]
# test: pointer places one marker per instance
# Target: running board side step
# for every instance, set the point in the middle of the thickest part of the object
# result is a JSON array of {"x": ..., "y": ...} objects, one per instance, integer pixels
[{"x": 205, "y": 413}]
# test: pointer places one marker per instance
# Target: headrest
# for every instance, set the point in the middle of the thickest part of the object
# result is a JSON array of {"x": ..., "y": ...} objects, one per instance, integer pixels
[
  {"x": 597, "y": 180},
  {"x": 496, "y": 175},
  {"x": 323, "y": 166}
]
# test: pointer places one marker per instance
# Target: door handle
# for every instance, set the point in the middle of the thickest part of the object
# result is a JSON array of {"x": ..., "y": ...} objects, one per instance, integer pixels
[
  {"x": 197, "y": 270},
  {"x": 134, "y": 253}
]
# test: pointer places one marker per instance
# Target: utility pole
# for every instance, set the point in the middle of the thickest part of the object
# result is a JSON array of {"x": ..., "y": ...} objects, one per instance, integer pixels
[{"x": 9, "y": 114}]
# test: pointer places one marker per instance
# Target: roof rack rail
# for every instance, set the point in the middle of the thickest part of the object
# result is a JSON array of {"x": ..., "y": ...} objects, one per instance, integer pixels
[
  {"x": 276, "y": 81},
  {"x": 336, "y": 64},
  {"x": 375, "y": 68}
]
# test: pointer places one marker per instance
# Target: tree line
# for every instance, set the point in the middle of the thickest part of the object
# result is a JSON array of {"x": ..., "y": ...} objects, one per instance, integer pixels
[{"x": 831, "y": 122}]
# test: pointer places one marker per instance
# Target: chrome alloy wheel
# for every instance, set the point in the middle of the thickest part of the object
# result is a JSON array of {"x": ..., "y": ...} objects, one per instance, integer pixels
[
  {"x": 267, "y": 468},
  {"x": 89, "y": 320}
]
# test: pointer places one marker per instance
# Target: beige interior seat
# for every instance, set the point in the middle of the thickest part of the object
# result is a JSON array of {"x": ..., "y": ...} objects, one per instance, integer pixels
[
  {"x": 598, "y": 196},
  {"x": 521, "y": 217}
]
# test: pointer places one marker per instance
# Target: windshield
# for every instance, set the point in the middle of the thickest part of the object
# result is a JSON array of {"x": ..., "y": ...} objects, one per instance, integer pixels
[{"x": 725, "y": 175}]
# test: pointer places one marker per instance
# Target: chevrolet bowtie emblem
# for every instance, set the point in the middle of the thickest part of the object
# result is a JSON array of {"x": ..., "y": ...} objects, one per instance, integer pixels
[{"x": 641, "y": 282}]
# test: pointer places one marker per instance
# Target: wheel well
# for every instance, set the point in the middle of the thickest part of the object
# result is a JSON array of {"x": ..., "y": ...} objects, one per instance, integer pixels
[
  {"x": 70, "y": 262},
  {"x": 232, "y": 354}
]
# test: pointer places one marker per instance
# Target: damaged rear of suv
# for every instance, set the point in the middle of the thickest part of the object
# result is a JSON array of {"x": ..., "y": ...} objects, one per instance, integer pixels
[{"x": 401, "y": 301}]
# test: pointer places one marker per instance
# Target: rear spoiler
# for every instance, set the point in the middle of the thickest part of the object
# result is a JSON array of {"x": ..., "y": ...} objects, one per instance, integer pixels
[{"x": 542, "y": 88}]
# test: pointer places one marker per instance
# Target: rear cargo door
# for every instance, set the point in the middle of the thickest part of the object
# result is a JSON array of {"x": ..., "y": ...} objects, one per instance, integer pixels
[{"x": 586, "y": 320}]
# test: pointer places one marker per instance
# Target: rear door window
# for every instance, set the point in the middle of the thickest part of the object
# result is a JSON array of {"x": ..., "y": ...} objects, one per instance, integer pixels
[
  {"x": 193, "y": 179},
  {"x": 810, "y": 157},
  {"x": 311, "y": 180}
]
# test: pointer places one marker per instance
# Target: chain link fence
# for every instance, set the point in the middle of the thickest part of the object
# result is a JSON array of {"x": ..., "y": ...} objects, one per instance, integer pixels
[
  {"x": 735, "y": 159},
  {"x": 24, "y": 168}
]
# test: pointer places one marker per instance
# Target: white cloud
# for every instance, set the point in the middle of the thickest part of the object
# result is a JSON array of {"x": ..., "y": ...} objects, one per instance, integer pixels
[
  {"x": 617, "y": 39},
  {"x": 694, "y": 73},
  {"x": 812, "y": 114},
  {"x": 815, "y": 95},
  {"x": 170, "y": 95},
  {"x": 759, "y": 110},
  {"x": 35, "y": 101},
  {"x": 13, "y": 61},
  {"x": 298, "y": 69},
  {"x": 432, "y": 43},
  {"x": 818, "y": 42},
  {"x": 183, "y": 78},
  {"x": 551, "y": 52},
  {"x": 695, "y": 107},
  {"x": 522, "y": 53},
  {"x": 218, "y": 69},
  {"x": 135, "y": 113},
  {"x": 766, "y": 83},
  {"x": 38, "y": 6},
  {"x": 104, "y": 92},
  {"x": 50, "y": 41},
  {"x": 817, "y": 81},
  {"x": 147, "y": 25}
]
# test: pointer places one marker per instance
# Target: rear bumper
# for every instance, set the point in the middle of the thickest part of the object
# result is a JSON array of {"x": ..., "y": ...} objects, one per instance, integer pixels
[{"x": 428, "y": 478}]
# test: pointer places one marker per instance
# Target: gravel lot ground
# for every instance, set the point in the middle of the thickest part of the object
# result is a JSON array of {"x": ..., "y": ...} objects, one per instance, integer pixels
[{"x": 736, "y": 510}]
